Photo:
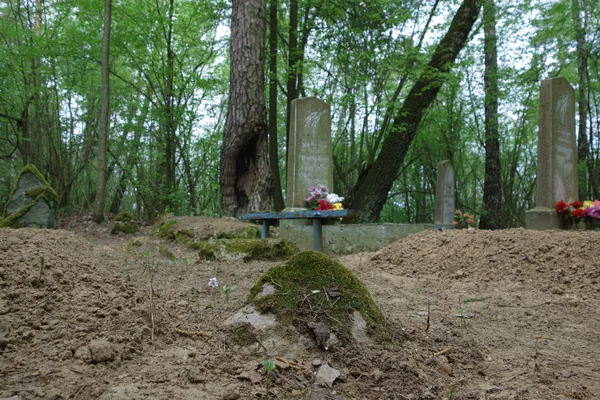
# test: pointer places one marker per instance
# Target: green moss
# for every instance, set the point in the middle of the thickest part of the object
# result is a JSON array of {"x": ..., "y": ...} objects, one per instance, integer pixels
[
  {"x": 207, "y": 250},
  {"x": 261, "y": 249},
  {"x": 127, "y": 228},
  {"x": 125, "y": 224},
  {"x": 166, "y": 229},
  {"x": 184, "y": 235},
  {"x": 198, "y": 244},
  {"x": 11, "y": 221},
  {"x": 136, "y": 243},
  {"x": 250, "y": 249},
  {"x": 296, "y": 298},
  {"x": 124, "y": 216}
]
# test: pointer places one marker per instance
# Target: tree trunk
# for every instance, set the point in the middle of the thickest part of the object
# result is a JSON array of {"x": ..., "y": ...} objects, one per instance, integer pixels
[
  {"x": 245, "y": 175},
  {"x": 492, "y": 184},
  {"x": 103, "y": 122},
  {"x": 583, "y": 147},
  {"x": 273, "y": 151},
  {"x": 292, "y": 72},
  {"x": 372, "y": 189}
]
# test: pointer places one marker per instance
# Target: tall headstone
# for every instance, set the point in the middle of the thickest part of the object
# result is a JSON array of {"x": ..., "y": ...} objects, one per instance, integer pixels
[
  {"x": 557, "y": 154},
  {"x": 444, "y": 195},
  {"x": 309, "y": 150}
]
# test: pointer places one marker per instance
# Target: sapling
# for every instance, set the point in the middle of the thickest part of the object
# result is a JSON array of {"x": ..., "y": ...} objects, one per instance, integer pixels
[
  {"x": 39, "y": 280},
  {"x": 269, "y": 366},
  {"x": 227, "y": 290}
]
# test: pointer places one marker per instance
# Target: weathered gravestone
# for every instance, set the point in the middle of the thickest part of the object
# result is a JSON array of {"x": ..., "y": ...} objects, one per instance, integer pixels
[
  {"x": 309, "y": 151},
  {"x": 557, "y": 154},
  {"x": 444, "y": 195},
  {"x": 32, "y": 202}
]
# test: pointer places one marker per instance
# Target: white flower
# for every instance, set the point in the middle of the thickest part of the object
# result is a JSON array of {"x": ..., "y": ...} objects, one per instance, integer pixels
[
  {"x": 334, "y": 198},
  {"x": 212, "y": 282}
]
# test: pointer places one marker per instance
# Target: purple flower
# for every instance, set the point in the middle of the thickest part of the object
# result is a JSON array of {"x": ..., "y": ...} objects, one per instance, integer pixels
[{"x": 593, "y": 212}]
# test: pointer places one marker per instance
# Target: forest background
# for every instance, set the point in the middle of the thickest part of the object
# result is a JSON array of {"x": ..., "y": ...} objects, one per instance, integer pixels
[{"x": 169, "y": 74}]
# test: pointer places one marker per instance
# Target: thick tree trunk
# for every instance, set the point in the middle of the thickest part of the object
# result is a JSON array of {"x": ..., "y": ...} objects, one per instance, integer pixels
[
  {"x": 273, "y": 151},
  {"x": 492, "y": 184},
  {"x": 371, "y": 191},
  {"x": 103, "y": 122},
  {"x": 245, "y": 175}
]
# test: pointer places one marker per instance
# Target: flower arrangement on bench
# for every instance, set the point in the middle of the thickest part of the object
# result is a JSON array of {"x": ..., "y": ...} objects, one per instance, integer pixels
[
  {"x": 321, "y": 199},
  {"x": 577, "y": 211}
]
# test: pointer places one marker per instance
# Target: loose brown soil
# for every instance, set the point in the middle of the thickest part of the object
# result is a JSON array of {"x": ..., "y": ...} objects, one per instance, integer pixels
[{"x": 512, "y": 315}]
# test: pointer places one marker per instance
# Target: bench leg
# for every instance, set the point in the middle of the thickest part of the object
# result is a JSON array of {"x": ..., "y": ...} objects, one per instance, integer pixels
[
  {"x": 265, "y": 229},
  {"x": 318, "y": 234}
]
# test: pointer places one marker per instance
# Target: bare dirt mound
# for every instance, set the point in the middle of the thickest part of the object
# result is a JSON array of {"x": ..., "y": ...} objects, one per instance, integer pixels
[
  {"x": 513, "y": 311},
  {"x": 472, "y": 315},
  {"x": 547, "y": 261}
]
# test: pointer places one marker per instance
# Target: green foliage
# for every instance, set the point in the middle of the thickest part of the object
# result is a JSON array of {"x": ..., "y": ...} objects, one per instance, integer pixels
[
  {"x": 269, "y": 366},
  {"x": 168, "y": 98}
]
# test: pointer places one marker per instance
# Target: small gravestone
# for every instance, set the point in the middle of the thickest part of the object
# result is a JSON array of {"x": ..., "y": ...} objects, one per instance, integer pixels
[
  {"x": 309, "y": 151},
  {"x": 444, "y": 195},
  {"x": 557, "y": 154},
  {"x": 32, "y": 202}
]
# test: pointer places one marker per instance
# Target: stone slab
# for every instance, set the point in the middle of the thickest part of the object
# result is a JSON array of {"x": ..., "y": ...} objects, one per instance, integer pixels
[
  {"x": 444, "y": 194},
  {"x": 309, "y": 160},
  {"x": 346, "y": 239}
]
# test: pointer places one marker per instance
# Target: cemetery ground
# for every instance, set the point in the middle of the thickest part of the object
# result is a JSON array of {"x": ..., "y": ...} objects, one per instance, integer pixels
[{"x": 512, "y": 315}]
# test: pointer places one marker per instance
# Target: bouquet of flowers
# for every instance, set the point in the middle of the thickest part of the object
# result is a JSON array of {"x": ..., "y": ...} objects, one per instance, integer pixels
[
  {"x": 321, "y": 199},
  {"x": 463, "y": 218},
  {"x": 578, "y": 211}
]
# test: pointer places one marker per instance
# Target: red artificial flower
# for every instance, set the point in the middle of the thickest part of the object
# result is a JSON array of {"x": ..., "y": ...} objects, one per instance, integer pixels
[
  {"x": 561, "y": 207},
  {"x": 578, "y": 213},
  {"x": 577, "y": 204},
  {"x": 324, "y": 205}
]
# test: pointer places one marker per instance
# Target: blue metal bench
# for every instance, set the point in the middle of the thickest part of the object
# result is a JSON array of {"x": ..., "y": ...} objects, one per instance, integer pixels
[{"x": 317, "y": 218}]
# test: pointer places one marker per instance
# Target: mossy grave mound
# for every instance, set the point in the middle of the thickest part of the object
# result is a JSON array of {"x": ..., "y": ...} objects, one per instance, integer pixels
[
  {"x": 312, "y": 287},
  {"x": 169, "y": 229},
  {"x": 245, "y": 249},
  {"x": 124, "y": 223}
]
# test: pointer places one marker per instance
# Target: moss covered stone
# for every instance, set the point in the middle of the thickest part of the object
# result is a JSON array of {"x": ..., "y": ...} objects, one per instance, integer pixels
[
  {"x": 124, "y": 224},
  {"x": 31, "y": 203},
  {"x": 246, "y": 249},
  {"x": 169, "y": 230},
  {"x": 300, "y": 295},
  {"x": 124, "y": 216},
  {"x": 127, "y": 228}
]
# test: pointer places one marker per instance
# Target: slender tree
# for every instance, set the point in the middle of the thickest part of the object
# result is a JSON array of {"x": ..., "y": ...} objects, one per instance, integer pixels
[
  {"x": 103, "y": 122},
  {"x": 273, "y": 148},
  {"x": 492, "y": 184},
  {"x": 245, "y": 174},
  {"x": 372, "y": 189}
]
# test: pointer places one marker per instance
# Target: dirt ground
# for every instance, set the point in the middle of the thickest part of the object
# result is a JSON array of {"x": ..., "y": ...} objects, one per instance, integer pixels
[{"x": 473, "y": 315}]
